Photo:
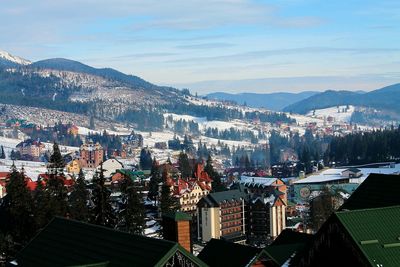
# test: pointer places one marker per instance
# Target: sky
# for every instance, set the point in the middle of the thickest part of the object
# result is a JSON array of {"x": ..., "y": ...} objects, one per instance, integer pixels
[{"x": 216, "y": 45}]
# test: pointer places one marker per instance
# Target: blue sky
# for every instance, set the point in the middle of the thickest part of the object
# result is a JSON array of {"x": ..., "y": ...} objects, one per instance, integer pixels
[{"x": 224, "y": 45}]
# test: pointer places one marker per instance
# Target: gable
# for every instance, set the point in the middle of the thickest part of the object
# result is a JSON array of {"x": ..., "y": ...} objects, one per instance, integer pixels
[{"x": 378, "y": 190}]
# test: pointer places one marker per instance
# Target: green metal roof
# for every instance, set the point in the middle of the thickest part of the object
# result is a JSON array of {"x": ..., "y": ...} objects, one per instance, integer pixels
[
  {"x": 376, "y": 232},
  {"x": 66, "y": 242},
  {"x": 378, "y": 190},
  {"x": 133, "y": 175},
  {"x": 178, "y": 216}
]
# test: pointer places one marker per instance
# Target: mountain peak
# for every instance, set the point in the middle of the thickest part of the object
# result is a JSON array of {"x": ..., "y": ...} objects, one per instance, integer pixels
[{"x": 7, "y": 56}]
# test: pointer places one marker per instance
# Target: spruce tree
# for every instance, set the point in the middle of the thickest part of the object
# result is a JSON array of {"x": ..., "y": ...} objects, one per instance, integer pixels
[
  {"x": 155, "y": 179},
  {"x": 168, "y": 203},
  {"x": 2, "y": 154},
  {"x": 132, "y": 214},
  {"x": 184, "y": 165},
  {"x": 217, "y": 185},
  {"x": 101, "y": 212},
  {"x": 41, "y": 202},
  {"x": 56, "y": 191},
  {"x": 56, "y": 164},
  {"x": 78, "y": 200},
  {"x": 16, "y": 213}
]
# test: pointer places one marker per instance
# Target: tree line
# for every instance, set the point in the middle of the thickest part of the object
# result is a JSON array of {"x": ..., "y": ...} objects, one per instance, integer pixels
[{"x": 23, "y": 213}]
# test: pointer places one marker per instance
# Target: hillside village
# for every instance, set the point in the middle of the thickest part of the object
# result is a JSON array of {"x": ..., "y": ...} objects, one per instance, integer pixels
[
  {"x": 100, "y": 168},
  {"x": 257, "y": 196}
]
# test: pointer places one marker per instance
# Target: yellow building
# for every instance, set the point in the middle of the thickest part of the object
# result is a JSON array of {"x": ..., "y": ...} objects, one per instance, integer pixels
[{"x": 74, "y": 167}]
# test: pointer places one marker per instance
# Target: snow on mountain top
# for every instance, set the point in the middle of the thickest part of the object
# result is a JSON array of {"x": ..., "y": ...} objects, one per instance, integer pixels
[{"x": 7, "y": 56}]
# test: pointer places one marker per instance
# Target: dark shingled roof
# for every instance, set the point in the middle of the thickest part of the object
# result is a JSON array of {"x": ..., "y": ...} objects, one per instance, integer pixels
[
  {"x": 281, "y": 253},
  {"x": 66, "y": 242},
  {"x": 288, "y": 236},
  {"x": 378, "y": 190},
  {"x": 214, "y": 199},
  {"x": 220, "y": 253}
]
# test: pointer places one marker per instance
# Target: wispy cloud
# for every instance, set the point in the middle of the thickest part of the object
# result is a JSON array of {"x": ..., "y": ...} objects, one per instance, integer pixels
[
  {"x": 290, "y": 51},
  {"x": 205, "y": 46}
]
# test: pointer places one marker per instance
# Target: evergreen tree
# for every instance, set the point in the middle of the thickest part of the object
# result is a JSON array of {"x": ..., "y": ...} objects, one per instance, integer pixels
[
  {"x": 55, "y": 189},
  {"x": 132, "y": 213},
  {"x": 102, "y": 212},
  {"x": 16, "y": 214},
  {"x": 78, "y": 200},
  {"x": 155, "y": 179},
  {"x": 91, "y": 123},
  {"x": 184, "y": 165},
  {"x": 217, "y": 185},
  {"x": 2, "y": 154},
  {"x": 168, "y": 203},
  {"x": 145, "y": 160},
  {"x": 56, "y": 164},
  {"x": 41, "y": 202}
]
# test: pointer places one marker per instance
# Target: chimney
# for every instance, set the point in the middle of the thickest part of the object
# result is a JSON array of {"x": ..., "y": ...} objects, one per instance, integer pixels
[{"x": 176, "y": 227}]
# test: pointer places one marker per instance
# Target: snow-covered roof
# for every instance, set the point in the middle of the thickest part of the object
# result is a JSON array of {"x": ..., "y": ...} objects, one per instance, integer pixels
[
  {"x": 332, "y": 175},
  {"x": 260, "y": 181}
]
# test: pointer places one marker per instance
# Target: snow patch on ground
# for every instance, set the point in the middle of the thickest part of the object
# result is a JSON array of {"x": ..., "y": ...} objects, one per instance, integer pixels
[{"x": 339, "y": 114}]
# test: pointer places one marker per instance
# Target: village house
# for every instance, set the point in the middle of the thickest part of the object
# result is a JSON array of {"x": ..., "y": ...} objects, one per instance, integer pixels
[
  {"x": 110, "y": 167},
  {"x": 73, "y": 167}
]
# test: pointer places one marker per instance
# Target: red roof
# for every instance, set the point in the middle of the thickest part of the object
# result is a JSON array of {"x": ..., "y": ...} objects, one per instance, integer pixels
[{"x": 200, "y": 174}]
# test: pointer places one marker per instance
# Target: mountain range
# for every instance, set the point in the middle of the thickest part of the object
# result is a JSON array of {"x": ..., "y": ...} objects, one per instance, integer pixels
[
  {"x": 271, "y": 101},
  {"x": 63, "y": 84},
  {"x": 72, "y": 86},
  {"x": 386, "y": 98}
]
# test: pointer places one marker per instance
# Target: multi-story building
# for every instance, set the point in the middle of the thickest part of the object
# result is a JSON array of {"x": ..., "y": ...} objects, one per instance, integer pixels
[
  {"x": 91, "y": 155},
  {"x": 221, "y": 215},
  {"x": 266, "y": 218},
  {"x": 266, "y": 212},
  {"x": 31, "y": 148},
  {"x": 190, "y": 191}
]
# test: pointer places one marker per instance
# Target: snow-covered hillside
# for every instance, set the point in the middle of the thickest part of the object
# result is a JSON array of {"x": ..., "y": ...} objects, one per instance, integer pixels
[{"x": 339, "y": 114}]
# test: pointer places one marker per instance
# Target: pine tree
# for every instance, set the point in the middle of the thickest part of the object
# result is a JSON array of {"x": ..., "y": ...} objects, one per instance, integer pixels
[
  {"x": 2, "y": 154},
  {"x": 56, "y": 191},
  {"x": 155, "y": 179},
  {"x": 184, "y": 165},
  {"x": 132, "y": 214},
  {"x": 56, "y": 164},
  {"x": 78, "y": 200},
  {"x": 102, "y": 212},
  {"x": 40, "y": 202},
  {"x": 217, "y": 185},
  {"x": 16, "y": 213},
  {"x": 168, "y": 203}
]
